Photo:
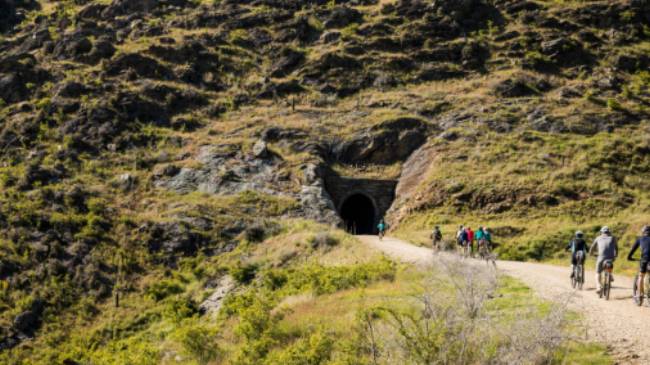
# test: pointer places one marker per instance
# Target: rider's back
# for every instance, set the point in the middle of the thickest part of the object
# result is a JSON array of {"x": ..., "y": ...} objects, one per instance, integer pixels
[
  {"x": 606, "y": 246},
  {"x": 643, "y": 242},
  {"x": 578, "y": 244}
]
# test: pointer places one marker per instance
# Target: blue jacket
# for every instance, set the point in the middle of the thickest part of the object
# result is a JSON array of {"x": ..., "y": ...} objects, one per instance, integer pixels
[
  {"x": 644, "y": 243},
  {"x": 577, "y": 244}
]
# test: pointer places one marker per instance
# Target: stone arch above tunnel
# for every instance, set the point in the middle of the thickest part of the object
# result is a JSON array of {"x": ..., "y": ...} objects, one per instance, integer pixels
[{"x": 371, "y": 199}]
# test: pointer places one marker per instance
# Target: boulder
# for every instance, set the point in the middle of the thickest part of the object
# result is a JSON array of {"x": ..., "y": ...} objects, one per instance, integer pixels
[
  {"x": 385, "y": 143},
  {"x": 213, "y": 303},
  {"x": 27, "y": 322},
  {"x": 521, "y": 85},
  {"x": 343, "y": 16},
  {"x": 288, "y": 60},
  {"x": 143, "y": 66}
]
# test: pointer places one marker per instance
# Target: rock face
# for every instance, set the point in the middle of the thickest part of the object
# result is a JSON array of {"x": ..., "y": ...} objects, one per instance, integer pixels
[
  {"x": 226, "y": 172},
  {"x": 383, "y": 144},
  {"x": 213, "y": 304},
  {"x": 414, "y": 170}
]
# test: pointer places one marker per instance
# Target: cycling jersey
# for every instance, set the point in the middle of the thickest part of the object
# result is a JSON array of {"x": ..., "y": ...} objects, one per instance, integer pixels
[
  {"x": 577, "y": 244},
  {"x": 644, "y": 243}
]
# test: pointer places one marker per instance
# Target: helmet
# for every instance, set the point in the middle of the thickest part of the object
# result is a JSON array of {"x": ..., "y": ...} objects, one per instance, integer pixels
[
  {"x": 605, "y": 229},
  {"x": 579, "y": 233},
  {"x": 646, "y": 230},
  {"x": 460, "y": 227}
]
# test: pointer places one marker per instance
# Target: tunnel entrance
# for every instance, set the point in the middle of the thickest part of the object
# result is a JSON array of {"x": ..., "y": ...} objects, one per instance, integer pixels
[{"x": 358, "y": 214}]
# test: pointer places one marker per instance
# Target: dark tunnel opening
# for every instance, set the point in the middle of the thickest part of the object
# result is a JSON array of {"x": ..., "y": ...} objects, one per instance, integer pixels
[{"x": 358, "y": 214}]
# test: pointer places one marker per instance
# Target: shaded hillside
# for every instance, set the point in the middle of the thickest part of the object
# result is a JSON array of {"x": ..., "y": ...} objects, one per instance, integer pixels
[{"x": 139, "y": 135}]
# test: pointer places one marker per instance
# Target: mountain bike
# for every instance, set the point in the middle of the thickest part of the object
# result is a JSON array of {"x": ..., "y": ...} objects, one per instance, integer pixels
[
  {"x": 638, "y": 299},
  {"x": 606, "y": 279},
  {"x": 578, "y": 277},
  {"x": 381, "y": 235},
  {"x": 484, "y": 253}
]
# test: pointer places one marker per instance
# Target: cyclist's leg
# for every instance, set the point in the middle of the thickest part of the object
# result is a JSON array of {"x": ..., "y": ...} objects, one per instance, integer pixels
[
  {"x": 574, "y": 261},
  {"x": 643, "y": 268},
  {"x": 599, "y": 270}
]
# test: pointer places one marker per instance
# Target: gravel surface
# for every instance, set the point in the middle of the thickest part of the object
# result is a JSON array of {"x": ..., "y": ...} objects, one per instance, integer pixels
[{"x": 619, "y": 322}]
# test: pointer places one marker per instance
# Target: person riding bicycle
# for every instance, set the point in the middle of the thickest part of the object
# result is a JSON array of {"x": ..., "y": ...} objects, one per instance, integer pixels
[
  {"x": 436, "y": 237},
  {"x": 461, "y": 237},
  {"x": 644, "y": 243},
  {"x": 607, "y": 250},
  {"x": 577, "y": 244},
  {"x": 487, "y": 237},
  {"x": 470, "y": 239},
  {"x": 381, "y": 227}
]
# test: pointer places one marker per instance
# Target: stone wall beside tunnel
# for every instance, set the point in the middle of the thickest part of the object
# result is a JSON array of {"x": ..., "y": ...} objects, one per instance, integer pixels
[{"x": 348, "y": 197}]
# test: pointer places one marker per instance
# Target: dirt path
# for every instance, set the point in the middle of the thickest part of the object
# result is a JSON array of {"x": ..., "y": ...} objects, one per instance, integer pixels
[{"x": 617, "y": 322}]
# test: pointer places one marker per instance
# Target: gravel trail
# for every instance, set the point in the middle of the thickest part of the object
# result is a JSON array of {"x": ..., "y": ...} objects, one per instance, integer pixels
[{"x": 619, "y": 322}]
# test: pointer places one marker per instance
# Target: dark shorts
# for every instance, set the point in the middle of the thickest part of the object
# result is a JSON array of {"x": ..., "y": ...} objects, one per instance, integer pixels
[
  {"x": 599, "y": 264},
  {"x": 574, "y": 259},
  {"x": 643, "y": 266}
]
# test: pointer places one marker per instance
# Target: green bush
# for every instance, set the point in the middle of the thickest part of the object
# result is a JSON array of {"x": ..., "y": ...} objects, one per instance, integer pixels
[
  {"x": 199, "y": 343},
  {"x": 313, "y": 350},
  {"x": 162, "y": 289},
  {"x": 244, "y": 273}
]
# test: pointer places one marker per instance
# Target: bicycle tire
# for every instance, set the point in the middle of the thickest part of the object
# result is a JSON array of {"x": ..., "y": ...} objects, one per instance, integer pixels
[
  {"x": 574, "y": 279},
  {"x": 582, "y": 277},
  {"x": 608, "y": 285},
  {"x": 638, "y": 299},
  {"x": 602, "y": 285}
]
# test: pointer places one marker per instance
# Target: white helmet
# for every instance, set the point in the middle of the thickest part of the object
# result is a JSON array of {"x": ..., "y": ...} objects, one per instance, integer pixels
[{"x": 605, "y": 229}]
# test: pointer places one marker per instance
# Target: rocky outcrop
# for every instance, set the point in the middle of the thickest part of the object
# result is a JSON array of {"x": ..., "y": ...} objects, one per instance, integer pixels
[
  {"x": 383, "y": 144},
  {"x": 213, "y": 303}
]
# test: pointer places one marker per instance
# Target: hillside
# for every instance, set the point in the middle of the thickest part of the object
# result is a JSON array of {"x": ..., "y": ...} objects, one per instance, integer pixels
[{"x": 151, "y": 147}]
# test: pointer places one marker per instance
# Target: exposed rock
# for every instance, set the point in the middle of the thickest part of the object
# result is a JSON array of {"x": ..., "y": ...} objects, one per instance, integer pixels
[
  {"x": 143, "y": 66},
  {"x": 213, "y": 303},
  {"x": 521, "y": 85},
  {"x": 288, "y": 61},
  {"x": 330, "y": 37},
  {"x": 260, "y": 150},
  {"x": 384, "y": 143},
  {"x": 27, "y": 322},
  {"x": 342, "y": 16},
  {"x": 127, "y": 182}
]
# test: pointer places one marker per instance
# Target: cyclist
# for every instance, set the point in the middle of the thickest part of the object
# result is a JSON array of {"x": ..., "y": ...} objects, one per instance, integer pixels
[
  {"x": 576, "y": 245},
  {"x": 644, "y": 243},
  {"x": 461, "y": 237},
  {"x": 487, "y": 237},
  {"x": 436, "y": 237},
  {"x": 470, "y": 240},
  {"x": 607, "y": 250},
  {"x": 381, "y": 227}
]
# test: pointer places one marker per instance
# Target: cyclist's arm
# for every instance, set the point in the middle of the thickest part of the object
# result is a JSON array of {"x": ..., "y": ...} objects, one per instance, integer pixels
[
  {"x": 633, "y": 250},
  {"x": 591, "y": 249},
  {"x": 615, "y": 247}
]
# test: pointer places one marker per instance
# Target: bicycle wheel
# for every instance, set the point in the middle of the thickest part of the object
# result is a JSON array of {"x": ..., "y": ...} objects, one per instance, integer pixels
[
  {"x": 638, "y": 299},
  {"x": 602, "y": 285},
  {"x": 608, "y": 285},
  {"x": 581, "y": 280},
  {"x": 574, "y": 278}
]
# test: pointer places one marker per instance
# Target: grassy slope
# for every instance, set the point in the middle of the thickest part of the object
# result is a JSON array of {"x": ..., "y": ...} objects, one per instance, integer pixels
[{"x": 606, "y": 171}]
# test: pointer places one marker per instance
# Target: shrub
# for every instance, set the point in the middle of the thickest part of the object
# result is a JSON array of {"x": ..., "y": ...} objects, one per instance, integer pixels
[
  {"x": 244, "y": 273},
  {"x": 323, "y": 239},
  {"x": 162, "y": 289},
  {"x": 199, "y": 343},
  {"x": 315, "y": 349},
  {"x": 614, "y": 105},
  {"x": 255, "y": 233}
]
